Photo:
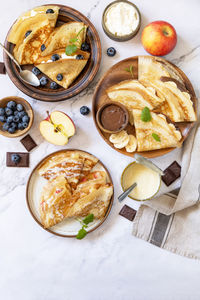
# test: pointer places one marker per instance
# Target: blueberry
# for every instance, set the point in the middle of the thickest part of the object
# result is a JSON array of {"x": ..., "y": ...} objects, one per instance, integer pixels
[
  {"x": 5, "y": 126},
  {"x": 20, "y": 107},
  {"x": 59, "y": 77},
  {"x": 43, "y": 81},
  {"x": 9, "y": 119},
  {"x": 25, "y": 119},
  {"x": 20, "y": 126},
  {"x": 27, "y": 33},
  {"x": 2, "y": 119},
  {"x": 111, "y": 51},
  {"x": 79, "y": 56},
  {"x": 21, "y": 114},
  {"x": 8, "y": 111},
  {"x": 15, "y": 113},
  {"x": 16, "y": 119},
  {"x": 11, "y": 104},
  {"x": 84, "y": 110},
  {"x": 36, "y": 71},
  {"x": 11, "y": 130},
  {"x": 49, "y": 11},
  {"x": 15, "y": 158},
  {"x": 55, "y": 57},
  {"x": 25, "y": 124},
  {"x": 2, "y": 111},
  {"x": 53, "y": 85},
  {"x": 85, "y": 46},
  {"x": 13, "y": 125},
  {"x": 43, "y": 47}
]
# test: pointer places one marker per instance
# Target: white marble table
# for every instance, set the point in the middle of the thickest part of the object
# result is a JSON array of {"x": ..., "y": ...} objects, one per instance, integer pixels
[{"x": 109, "y": 262}]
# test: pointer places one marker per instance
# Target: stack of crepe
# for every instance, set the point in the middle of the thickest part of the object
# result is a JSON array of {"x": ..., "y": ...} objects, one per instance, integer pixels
[
  {"x": 36, "y": 28},
  {"x": 161, "y": 89},
  {"x": 73, "y": 188}
]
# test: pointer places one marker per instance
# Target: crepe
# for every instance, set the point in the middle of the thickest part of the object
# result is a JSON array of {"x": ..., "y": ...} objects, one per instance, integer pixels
[
  {"x": 61, "y": 36},
  {"x": 55, "y": 198},
  {"x": 167, "y": 133}
]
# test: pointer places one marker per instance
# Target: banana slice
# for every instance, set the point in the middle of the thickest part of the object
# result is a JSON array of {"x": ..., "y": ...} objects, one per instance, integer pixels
[
  {"x": 122, "y": 143},
  {"x": 116, "y": 138},
  {"x": 132, "y": 144}
]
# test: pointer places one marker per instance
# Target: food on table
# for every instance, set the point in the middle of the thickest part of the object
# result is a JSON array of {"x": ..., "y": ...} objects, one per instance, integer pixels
[
  {"x": 159, "y": 38},
  {"x": 17, "y": 159},
  {"x": 171, "y": 173},
  {"x": 127, "y": 212},
  {"x": 28, "y": 142},
  {"x": 111, "y": 51},
  {"x": 84, "y": 110},
  {"x": 14, "y": 117},
  {"x": 148, "y": 181},
  {"x": 156, "y": 133},
  {"x": 57, "y": 128},
  {"x": 74, "y": 190}
]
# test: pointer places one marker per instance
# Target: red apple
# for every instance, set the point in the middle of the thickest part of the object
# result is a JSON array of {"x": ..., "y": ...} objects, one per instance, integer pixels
[
  {"x": 159, "y": 38},
  {"x": 57, "y": 128}
]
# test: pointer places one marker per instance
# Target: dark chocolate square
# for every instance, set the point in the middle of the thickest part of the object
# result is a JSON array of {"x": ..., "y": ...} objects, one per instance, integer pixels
[
  {"x": 171, "y": 173},
  {"x": 127, "y": 212},
  {"x": 28, "y": 143},
  {"x": 23, "y": 163},
  {"x": 2, "y": 68}
]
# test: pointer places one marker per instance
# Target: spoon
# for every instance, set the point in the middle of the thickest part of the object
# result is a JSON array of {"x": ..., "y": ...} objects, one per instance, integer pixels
[
  {"x": 26, "y": 75},
  {"x": 125, "y": 193}
]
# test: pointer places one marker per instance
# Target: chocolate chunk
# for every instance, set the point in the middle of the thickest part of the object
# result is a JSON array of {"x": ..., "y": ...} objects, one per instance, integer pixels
[
  {"x": 172, "y": 173},
  {"x": 28, "y": 142},
  {"x": 127, "y": 212},
  {"x": 23, "y": 162},
  {"x": 2, "y": 68}
]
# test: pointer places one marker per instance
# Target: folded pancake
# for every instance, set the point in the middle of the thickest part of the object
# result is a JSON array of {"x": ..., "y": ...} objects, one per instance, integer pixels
[
  {"x": 166, "y": 133},
  {"x": 69, "y": 67},
  {"x": 61, "y": 36},
  {"x": 55, "y": 198},
  {"x": 30, "y": 20}
]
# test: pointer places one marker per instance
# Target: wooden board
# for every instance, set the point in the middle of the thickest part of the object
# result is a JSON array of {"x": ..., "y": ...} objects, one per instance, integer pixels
[
  {"x": 66, "y": 14},
  {"x": 116, "y": 74}
]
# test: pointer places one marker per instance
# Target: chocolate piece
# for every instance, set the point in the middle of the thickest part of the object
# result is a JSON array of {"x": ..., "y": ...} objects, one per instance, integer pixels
[
  {"x": 28, "y": 142},
  {"x": 127, "y": 212},
  {"x": 172, "y": 173},
  {"x": 23, "y": 163},
  {"x": 2, "y": 68}
]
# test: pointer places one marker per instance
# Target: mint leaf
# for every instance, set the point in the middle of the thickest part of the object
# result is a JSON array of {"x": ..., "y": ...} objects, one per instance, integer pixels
[
  {"x": 70, "y": 49},
  {"x": 74, "y": 40},
  {"x": 81, "y": 234},
  {"x": 130, "y": 70},
  {"x": 156, "y": 137},
  {"x": 146, "y": 115},
  {"x": 88, "y": 219}
]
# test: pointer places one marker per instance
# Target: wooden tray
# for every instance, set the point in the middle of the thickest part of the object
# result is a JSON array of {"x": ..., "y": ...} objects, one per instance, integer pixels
[
  {"x": 116, "y": 74},
  {"x": 70, "y": 227},
  {"x": 66, "y": 14}
]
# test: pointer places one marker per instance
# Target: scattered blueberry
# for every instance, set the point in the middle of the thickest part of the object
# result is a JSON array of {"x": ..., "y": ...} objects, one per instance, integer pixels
[
  {"x": 5, "y": 126},
  {"x": 50, "y": 11},
  {"x": 2, "y": 118},
  {"x": 59, "y": 77},
  {"x": 21, "y": 114},
  {"x": 84, "y": 110},
  {"x": 79, "y": 56},
  {"x": 27, "y": 33},
  {"x": 11, "y": 104},
  {"x": 85, "y": 46},
  {"x": 11, "y": 130},
  {"x": 43, "y": 47},
  {"x": 16, "y": 119},
  {"x": 53, "y": 85},
  {"x": 111, "y": 51},
  {"x": 43, "y": 81},
  {"x": 20, "y": 126},
  {"x": 9, "y": 119},
  {"x": 2, "y": 111},
  {"x": 55, "y": 57},
  {"x": 8, "y": 111},
  {"x": 15, "y": 158},
  {"x": 25, "y": 119},
  {"x": 36, "y": 71},
  {"x": 25, "y": 124}
]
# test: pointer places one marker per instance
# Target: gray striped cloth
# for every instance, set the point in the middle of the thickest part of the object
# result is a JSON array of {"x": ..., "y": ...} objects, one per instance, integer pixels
[{"x": 172, "y": 220}]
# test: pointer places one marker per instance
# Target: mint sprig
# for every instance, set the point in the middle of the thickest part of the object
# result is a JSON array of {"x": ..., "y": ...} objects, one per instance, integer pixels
[
  {"x": 70, "y": 49},
  {"x": 130, "y": 70},
  {"x": 146, "y": 115},
  {"x": 156, "y": 137},
  {"x": 82, "y": 232}
]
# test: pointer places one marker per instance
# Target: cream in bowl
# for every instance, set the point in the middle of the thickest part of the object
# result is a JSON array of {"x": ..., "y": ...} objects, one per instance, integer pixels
[
  {"x": 148, "y": 181},
  {"x": 121, "y": 20}
]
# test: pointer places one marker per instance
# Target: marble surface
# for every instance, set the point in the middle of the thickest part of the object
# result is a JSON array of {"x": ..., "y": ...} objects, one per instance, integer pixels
[{"x": 109, "y": 262}]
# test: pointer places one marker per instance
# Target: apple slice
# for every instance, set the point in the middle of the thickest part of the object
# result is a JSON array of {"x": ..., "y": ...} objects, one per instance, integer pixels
[
  {"x": 63, "y": 123},
  {"x": 50, "y": 134}
]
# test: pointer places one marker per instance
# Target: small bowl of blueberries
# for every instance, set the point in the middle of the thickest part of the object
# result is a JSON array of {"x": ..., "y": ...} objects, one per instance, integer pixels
[{"x": 16, "y": 116}]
